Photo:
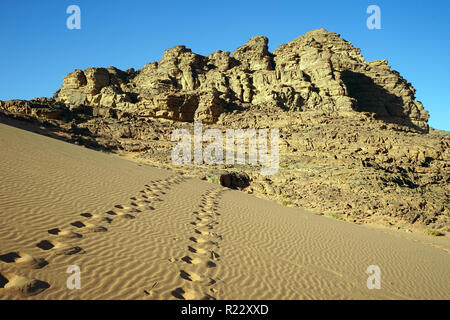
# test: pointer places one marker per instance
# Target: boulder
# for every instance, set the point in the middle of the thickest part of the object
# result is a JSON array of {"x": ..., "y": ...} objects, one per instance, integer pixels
[{"x": 234, "y": 180}]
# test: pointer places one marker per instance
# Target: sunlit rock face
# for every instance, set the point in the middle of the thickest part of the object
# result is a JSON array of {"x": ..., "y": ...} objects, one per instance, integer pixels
[{"x": 317, "y": 71}]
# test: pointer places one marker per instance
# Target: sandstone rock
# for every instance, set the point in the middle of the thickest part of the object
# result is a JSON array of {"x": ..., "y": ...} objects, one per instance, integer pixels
[
  {"x": 255, "y": 54},
  {"x": 175, "y": 106},
  {"x": 317, "y": 71},
  {"x": 221, "y": 61},
  {"x": 96, "y": 87},
  {"x": 210, "y": 107},
  {"x": 45, "y": 108},
  {"x": 97, "y": 78}
]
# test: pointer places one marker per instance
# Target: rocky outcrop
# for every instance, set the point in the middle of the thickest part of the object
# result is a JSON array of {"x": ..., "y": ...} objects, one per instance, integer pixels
[
  {"x": 96, "y": 88},
  {"x": 255, "y": 55},
  {"x": 45, "y": 108},
  {"x": 210, "y": 107}
]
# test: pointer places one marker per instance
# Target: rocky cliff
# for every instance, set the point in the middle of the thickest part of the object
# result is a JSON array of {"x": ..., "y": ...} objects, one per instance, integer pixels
[{"x": 317, "y": 71}]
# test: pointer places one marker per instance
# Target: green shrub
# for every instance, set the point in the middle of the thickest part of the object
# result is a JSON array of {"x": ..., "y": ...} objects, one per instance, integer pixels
[
  {"x": 211, "y": 179},
  {"x": 286, "y": 203},
  {"x": 333, "y": 215},
  {"x": 434, "y": 233}
]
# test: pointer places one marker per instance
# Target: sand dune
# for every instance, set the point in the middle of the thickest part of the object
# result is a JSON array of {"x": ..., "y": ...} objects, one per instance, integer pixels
[{"x": 137, "y": 232}]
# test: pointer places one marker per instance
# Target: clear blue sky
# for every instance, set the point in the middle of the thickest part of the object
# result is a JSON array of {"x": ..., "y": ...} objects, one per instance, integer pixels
[{"x": 37, "y": 49}]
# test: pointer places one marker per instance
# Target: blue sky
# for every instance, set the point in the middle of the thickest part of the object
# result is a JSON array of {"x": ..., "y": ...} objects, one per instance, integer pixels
[{"x": 37, "y": 49}]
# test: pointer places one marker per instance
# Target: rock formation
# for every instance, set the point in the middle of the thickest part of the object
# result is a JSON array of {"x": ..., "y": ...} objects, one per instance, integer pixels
[{"x": 317, "y": 71}]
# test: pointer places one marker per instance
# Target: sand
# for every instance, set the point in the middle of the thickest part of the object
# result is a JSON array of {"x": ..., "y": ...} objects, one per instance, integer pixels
[{"x": 137, "y": 232}]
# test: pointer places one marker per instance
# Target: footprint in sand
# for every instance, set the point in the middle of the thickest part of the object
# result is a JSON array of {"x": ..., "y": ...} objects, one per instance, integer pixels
[
  {"x": 204, "y": 219},
  {"x": 204, "y": 241},
  {"x": 145, "y": 205},
  {"x": 23, "y": 260},
  {"x": 201, "y": 224},
  {"x": 199, "y": 261},
  {"x": 58, "y": 248},
  {"x": 208, "y": 234},
  {"x": 194, "y": 277},
  {"x": 209, "y": 213},
  {"x": 141, "y": 199},
  {"x": 154, "y": 198},
  {"x": 120, "y": 214},
  {"x": 189, "y": 294},
  {"x": 207, "y": 206},
  {"x": 202, "y": 232},
  {"x": 64, "y": 233},
  {"x": 210, "y": 254},
  {"x": 203, "y": 214},
  {"x": 88, "y": 226},
  {"x": 96, "y": 217},
  {"x": 130, "y": 208},
  {"x": 25, "y": 287},
  {"x": 151, "y": 194},
  {"x": 154, "y": 191},
  {"x": 206, "y": 231}
]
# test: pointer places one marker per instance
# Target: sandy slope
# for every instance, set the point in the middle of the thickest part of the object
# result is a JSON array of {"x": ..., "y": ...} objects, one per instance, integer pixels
[{"x": 141, "y": 233}]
